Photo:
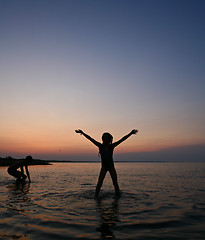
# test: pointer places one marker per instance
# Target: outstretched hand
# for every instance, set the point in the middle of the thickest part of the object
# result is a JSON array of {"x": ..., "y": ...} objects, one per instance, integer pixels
[
  {"x": 134, "y": 131},
  {"x": 79, "y": 131}
]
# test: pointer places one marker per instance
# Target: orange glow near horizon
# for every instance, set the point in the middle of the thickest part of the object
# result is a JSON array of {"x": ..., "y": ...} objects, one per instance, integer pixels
[
  {"x": 53, "y": 143},
  {"x": 57, "y": 137}
]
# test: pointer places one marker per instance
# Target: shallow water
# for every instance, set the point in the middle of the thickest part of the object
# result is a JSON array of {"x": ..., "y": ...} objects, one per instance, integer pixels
[{"x": 158, "y": 201}]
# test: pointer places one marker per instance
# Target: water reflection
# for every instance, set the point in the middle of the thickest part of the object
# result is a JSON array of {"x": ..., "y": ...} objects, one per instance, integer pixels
[
  {"x": 17, "y": 196},
  {"x": 108, "y": 210}
]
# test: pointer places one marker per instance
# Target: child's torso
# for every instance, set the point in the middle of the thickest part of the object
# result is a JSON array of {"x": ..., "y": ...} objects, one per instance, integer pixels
[
  {"x": 106, "y": 154},
  {"x": 17, "y": 164}
]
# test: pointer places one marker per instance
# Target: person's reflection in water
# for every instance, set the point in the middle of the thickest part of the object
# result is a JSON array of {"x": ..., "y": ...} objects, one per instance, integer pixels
[
  {"x": 108, "y": 216},
  {"x": 17, "y": 198}
]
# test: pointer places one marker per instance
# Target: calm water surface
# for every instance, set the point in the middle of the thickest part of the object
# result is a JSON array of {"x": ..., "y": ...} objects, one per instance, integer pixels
[{"x": 158, "y": 201}]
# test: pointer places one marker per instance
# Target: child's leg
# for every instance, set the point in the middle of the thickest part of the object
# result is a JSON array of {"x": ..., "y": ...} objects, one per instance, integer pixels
[
  {"x": 100, "y": 180},
  {"x": 18, "y": 175},
  {"x": 23, "y": 177},
  {"x": 15, "y": 173},
  {"x": 113, "y": 175}
]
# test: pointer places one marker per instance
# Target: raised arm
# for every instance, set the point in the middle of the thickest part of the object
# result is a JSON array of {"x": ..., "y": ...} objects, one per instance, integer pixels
[
  {"x": 134, "y": 131},
  {"x": 88, "y": 137}
]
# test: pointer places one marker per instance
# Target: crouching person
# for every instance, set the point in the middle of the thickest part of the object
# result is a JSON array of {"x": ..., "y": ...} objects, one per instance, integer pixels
[{"x": 19, "y": 175}]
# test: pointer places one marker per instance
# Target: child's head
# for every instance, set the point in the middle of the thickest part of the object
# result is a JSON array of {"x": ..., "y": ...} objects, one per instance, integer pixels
[
  {"x": 107, "y": 138},
  {"x": 28, "y": 158}
]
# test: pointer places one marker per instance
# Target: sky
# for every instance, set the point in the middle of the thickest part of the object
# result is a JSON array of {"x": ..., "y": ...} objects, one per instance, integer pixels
[{"x": 102, "y": 66}]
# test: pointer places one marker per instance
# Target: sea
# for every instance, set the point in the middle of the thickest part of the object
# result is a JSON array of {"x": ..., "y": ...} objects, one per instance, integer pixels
[{"x": 158, "y": 200}]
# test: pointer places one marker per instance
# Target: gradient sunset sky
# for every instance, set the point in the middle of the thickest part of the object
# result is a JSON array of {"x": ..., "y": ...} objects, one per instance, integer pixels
[{"x": 101, "y": 65}]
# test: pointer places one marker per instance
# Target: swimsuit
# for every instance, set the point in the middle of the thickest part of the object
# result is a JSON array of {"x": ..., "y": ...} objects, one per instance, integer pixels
[{"x": 106, "y": 157}]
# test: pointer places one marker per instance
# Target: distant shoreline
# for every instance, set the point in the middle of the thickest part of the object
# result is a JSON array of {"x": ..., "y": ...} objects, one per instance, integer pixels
[
  {"x": 5, "y": 162},
  {"x": 128, "y": 161}
]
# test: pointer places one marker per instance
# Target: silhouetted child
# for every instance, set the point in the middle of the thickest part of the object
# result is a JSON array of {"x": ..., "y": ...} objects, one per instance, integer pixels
[
  {"x": 106, "y": 152},
  {"x": 19, "y": 175}
]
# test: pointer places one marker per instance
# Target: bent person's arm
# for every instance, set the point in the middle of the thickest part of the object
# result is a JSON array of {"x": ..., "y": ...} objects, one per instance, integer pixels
[{"x": 27, "y": 173}]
